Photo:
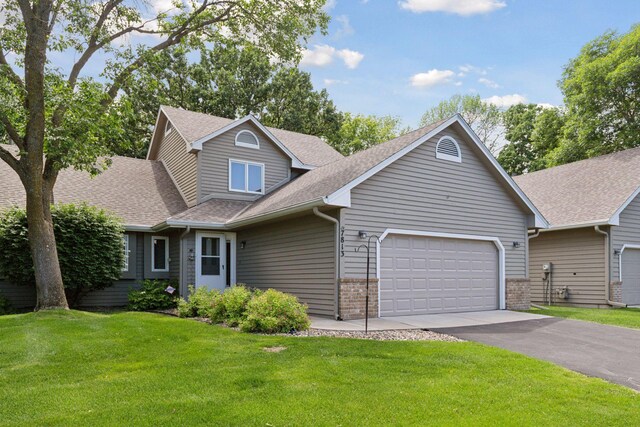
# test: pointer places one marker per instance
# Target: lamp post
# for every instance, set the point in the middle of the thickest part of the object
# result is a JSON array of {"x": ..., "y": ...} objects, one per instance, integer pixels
[{"x": 366, "y": 298}]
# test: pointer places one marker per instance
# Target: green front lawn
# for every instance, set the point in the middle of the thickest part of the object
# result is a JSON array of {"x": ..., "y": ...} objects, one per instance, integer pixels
[
  {"x": 627, "y": 317},
  {"x": 76, "y": 368}
]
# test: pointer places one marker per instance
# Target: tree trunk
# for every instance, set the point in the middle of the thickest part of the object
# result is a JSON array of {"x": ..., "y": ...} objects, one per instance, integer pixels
[{"x": 42, "y": 241}]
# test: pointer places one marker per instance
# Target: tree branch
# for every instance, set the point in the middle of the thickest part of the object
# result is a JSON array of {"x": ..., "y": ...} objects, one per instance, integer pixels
[
  {"x": 12, "y": 132},
  {"x": 10, "y": 160},
  {"x": 12, "y": 74}
]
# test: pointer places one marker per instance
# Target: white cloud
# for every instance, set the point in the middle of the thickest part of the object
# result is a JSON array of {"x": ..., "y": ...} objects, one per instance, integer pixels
[
  {"x": 432, "y": 78},
  {"x": 545, "y": 105},
  {"x": 459, "y": 7},
  {"x": 505, "y": 101},
  {"x": 331, "y": 82},
  {"x": 351, "y": 58},
  {"x": 323, "y": 55},
  {"x": 467, "y": 68},
  {"x": 330, "y": 4},
  {"x": 345, "y": 27},
  {"x": 488, "y": 83}
]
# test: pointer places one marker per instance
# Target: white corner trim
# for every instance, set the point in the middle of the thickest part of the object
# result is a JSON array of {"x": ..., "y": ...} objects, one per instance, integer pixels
[
  {"x": 295, "y": 162},
  {"x": 244, "y": 144},
  {"x": 625, "y": 246},
  {"x": 501, "y": 255},
  {"x": 449, "y": 157},
  {"x": 615, "y": 218}
]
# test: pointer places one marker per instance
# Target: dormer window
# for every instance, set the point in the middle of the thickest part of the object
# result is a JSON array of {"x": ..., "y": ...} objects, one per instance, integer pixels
[
  {"x": 168, "y": 128},
  {"x": 448, "y": 149},
  {"x": 246, "y": 177},
  {"x": 246, "y": 138}
]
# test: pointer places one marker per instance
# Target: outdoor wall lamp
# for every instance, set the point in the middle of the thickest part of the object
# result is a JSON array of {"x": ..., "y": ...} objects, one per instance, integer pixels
[
  {"x": 516, "y": 244},
  {"x": 362, "y": 234},
  {"x": 191, "y": 256},
  {"x": 617, "y": 251},
  {"x": 243, "y": 244}
]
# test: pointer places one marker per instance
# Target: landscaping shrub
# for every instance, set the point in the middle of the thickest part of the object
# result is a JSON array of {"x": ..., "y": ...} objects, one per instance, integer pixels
[
  {"x": 152, "y": 296},
  {"x": 201, "y": 302},
  {"x": 89, "y": 242},
  {"x": 232, "y": 305},
  {"x": 275, "y": 312},
  {"x": 5, "y": 306}
]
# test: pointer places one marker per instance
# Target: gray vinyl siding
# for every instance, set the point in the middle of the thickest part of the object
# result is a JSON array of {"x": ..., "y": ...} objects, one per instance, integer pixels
[
  {"x": 19, "y": 296},
  {"x": 188, "y": 265},
  {"x": 295, "y": 256},
  {"x": 420, "y": 192},
  {"x": 628, "y": 232},
  {"x": 213, "y": 164},
  {"x": 578, "y": 262},
  {"x": 181, "y": 164}
]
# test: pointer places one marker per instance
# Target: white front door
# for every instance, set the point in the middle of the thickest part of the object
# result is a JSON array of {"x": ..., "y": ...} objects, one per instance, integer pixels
[{"x": 211, "y": 260}]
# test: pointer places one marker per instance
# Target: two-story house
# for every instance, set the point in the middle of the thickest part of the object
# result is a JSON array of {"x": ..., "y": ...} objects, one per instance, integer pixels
[{"x": 221, "y": 201}]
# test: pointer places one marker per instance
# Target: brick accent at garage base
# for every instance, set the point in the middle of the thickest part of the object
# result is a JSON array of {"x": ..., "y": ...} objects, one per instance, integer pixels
[
  {"x": 352, "y": 298},
  {"x": 615, "y": 291},
  {"x": 518, "y": 294}
]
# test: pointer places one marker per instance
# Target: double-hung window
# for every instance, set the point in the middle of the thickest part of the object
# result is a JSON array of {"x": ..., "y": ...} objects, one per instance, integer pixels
[
  {"x": 159, "y": 253},
  {"x": 246, "y": 177}
]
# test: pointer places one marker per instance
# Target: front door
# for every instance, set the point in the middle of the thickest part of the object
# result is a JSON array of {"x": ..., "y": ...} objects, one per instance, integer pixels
[{"x": 211, "y": 260}]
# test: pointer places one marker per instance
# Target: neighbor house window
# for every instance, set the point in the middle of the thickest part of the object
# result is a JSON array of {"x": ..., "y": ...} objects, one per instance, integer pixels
[
  {"x": 159, "y": 253},
  {"x": 246, "y": 138},
  {"x": 246, "y": 177},
  {"x": 125, "y": 244},
  {"x": 448, "y": 149}
]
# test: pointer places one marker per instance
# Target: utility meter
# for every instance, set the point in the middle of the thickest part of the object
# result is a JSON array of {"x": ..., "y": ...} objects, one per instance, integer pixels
[{"x": 546, "y": 267}]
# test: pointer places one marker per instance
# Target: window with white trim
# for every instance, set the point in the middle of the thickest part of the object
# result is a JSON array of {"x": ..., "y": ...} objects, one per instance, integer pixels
[
  {"x": 246, "y": 177},
  {"x": 125, "y": 248},
  {"x": 159, "y": 253},
  {"x": 246, "y": 138},
  {"x": 448, "y": 149},
  {"x": 168, "y": 128}
]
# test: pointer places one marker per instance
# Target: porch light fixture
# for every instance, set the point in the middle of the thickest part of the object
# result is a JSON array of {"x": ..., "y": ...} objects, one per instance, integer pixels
[
  {"x": 617, "y": 252},
  {"x": 362, "y": 234},
  {"x": 191, "y": 256},
  {"x": 243, "y": 244},
  {"x": 516, "y": 244}
]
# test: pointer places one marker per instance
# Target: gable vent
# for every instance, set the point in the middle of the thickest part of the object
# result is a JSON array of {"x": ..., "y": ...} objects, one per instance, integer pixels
[{"x": 448, "y": 149}]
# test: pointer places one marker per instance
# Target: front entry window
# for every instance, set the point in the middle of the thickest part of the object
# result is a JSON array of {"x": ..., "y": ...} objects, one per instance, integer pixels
[{"x": 210, "y": 256}]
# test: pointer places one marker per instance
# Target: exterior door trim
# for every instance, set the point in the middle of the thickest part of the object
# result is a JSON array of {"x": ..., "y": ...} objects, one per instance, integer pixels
[
  {"x": 495, "y": 240},
  {"x": 224, "y": 237}
]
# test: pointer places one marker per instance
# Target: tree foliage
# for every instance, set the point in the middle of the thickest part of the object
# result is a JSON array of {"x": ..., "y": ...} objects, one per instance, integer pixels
[
  {"x": 90, "y": 248},
  {"x": 601, "y": 88},
  {"x": 484, "y": 118},
  {"x": 359, "y": 132}
]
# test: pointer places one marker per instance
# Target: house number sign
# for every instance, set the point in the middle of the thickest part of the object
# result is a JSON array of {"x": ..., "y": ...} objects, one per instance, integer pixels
[{"x": 341, "y": 242}]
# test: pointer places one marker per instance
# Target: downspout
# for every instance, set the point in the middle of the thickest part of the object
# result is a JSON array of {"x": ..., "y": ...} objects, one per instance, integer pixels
[
  {"x": 607, "y": 269},
  {"x": 533, "y": 236},
  {"x": 317, "y": 213},
  {"x": 183, "y": 270}
]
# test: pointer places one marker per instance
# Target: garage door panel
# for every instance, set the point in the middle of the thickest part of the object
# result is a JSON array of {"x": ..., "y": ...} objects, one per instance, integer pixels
[
  {"x": 422, "y": 275},
  {"x": 631, "y": 276}
]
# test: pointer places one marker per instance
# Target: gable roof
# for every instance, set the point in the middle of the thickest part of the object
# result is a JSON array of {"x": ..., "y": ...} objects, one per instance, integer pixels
[
  {"x": 140, "y": 192},
  {"x": 587, "y": 192},
  {"x": 196, "y": 128},
  {"x": 331, "y": 184}
]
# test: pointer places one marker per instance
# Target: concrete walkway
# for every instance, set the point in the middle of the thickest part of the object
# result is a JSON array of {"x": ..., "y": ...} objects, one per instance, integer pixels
[
  {"x": 608, "y": 352},
  {"x": 426, "y": 321}
]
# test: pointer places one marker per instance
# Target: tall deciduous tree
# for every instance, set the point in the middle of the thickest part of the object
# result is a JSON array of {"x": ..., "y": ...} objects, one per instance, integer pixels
[
  {"x": 484, "y": 118},
  {"x": 601, "y": 88},
  {"x": 360, "y": 132},
  {"x": 55, "y": 116}
]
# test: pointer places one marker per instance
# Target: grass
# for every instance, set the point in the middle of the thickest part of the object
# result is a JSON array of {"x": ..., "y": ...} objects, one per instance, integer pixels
[
  {"x": 627, "y": 317},
  {"x": 77, "y": 368}
]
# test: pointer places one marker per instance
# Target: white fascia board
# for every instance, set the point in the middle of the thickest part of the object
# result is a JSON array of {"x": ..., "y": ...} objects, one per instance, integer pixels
[
  {"x": 587, "y": 224},
  {"x": 615, "y": 218},
  {"x": 140, "y": 228},
  {"x": 196, "y": 224},
  {"x": 540, "y": 221},
  {"x": 295, "y": 162}
]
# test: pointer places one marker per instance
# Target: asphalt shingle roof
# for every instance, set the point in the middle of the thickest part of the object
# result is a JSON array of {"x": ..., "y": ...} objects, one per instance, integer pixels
[
  {"x": 309, "y": 149},
  {"x": 587, "y": 191},
  {"x": 216, "y": 211}
]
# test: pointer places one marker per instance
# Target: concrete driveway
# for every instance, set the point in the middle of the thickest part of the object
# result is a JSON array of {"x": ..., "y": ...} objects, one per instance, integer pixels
[{"x": 608, "y": 352}]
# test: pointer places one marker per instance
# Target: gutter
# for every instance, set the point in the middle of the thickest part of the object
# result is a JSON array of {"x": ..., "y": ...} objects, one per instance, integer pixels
[
  {"x": 319, "y": 214},
  {"x": 607, "y": 268}
]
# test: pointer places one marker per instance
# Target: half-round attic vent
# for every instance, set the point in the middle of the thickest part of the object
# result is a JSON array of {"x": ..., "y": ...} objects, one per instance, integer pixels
[
  {"x": 448, "y": 149},
  {"x": 246, "y": 138}
]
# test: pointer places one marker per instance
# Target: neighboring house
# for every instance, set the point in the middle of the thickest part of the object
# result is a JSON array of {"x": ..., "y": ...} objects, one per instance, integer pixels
[
  {"x": 221, "y": 201},
  {"x": 593, "y": 243}
]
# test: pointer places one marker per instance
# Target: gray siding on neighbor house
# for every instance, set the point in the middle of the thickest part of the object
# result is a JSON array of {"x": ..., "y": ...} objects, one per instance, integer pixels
[
  {"x": 628, "y": 232},
  {"x": 578, "y": 263},
  {"x": 213, "y": 164},
  {"x": 181, "y": 164},
  {"x": 295, "y": 256},
  {"x": 18, "y": 296},
  {"x": 420, "y": 192}
]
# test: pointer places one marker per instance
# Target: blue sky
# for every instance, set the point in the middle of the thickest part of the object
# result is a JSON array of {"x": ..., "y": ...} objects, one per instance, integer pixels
[{"x": 400, "y": 57}]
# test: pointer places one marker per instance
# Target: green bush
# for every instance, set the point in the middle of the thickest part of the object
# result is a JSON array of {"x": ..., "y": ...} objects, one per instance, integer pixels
[
  {"x": 152, "y": 296},
  {"x": 5, "y": 306},
  {"x": 275, "y": 312},
  {"x": 232, "y": 306},
  {"x": 201, "y": 302},
  {"x": 89, "y": 242}
]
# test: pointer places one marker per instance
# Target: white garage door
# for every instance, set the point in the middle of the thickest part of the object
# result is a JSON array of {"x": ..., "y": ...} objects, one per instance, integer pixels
[
  {"x": 425, "y": 275},
  {"x": 631, "y": 276}
]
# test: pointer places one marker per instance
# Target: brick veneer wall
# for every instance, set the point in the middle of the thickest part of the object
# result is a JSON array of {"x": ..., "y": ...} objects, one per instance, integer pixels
[
  {"x": 352, "y": 298},
  {"x": 518, "y": 293},
  {"x": 615, "y": 291}
]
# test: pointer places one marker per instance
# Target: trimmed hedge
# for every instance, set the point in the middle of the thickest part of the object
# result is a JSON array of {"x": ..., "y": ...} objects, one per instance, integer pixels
[
  {"x": 152, "y": 296},
  {"x": 201, "y": 303}
]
